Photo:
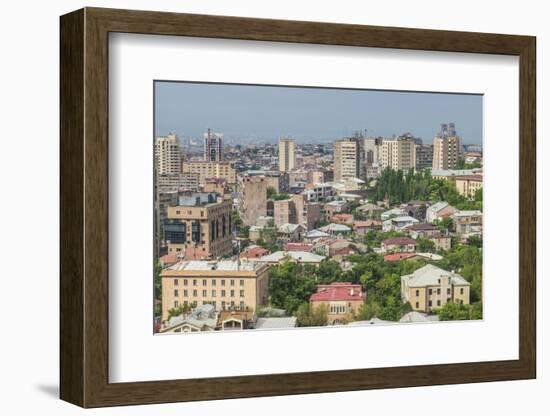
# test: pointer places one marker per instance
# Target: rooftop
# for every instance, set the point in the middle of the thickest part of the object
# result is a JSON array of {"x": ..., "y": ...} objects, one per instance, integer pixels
[
  {"x": 299, "y": 256},
  {"x": 335, "y": 228},
  {"x": 338, "y": 291},
  {"x": 205, "y": 265},
  {"x": 430, "y": 275},
  {"x": 399, "y": 241},
  {"x": 275, "y": 323}
]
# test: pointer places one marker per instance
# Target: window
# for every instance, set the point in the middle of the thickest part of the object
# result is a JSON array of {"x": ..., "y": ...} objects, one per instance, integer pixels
[
  {"x": 439, "y": 291},
  {"x": 176, "y": 304},
  {"x": 176, "y": 282},
  {"x": 429, "y": 303},
  {"x": 213, "y": 293},
  {"x": 185, "y": 282},
  {"x": 176, "y": 293},
  {"x": 223, "y": 305},
  {"x": 204, "y": 293},
  {"x": 213, "y": 282},
  {"x": 194, "y": 282},
  {"x": 430, "y": 291},
  {"x": 232, "y": 282},
  {"x": 461, "y": 290},
  {"x": 223, "y": 282},
  {"x": 242, "y": 282},
  {"x": 223, "y": 293},
  {"x": 448, "y": 291},
  {"x": 241, "y": 305},
  {"x": 204, "y": 282},
  {"x": 185, "y": 293},
  {"x": 195, "y": 292},
  {"x": 438, "y": 303},
  {"x": 232, "y": 293},
  {"x": 242, "y": 293},
  {"x": 417, "y": 292},
  {"x": 417, "y": 305}
]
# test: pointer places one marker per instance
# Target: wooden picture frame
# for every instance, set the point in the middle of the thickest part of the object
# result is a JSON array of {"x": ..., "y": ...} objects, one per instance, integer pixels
[{"x": 84, "y": 207}]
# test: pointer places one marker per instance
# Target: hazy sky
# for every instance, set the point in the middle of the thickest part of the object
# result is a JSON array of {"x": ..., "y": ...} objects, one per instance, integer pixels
[{"x": 246, "y": 111}]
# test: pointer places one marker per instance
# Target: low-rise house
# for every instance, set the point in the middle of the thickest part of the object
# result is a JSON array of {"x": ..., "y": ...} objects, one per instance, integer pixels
[
  {"x": 235, "y": 320},
  {"x": 334, "y": 207},
  {"x": 431, "y": 287},
  {"x": 398, "y": 223},
  {"x": 290, "y": 233},
  {"x": 399, "y": 244},
  {"x": 394, "y": 212},
  {"x": 371, "y": 210},
  {"x": 314, "y": 235},
  {"x": 441, "y": 242},
  {"x": 438, "y": 211},
  {"x": 345, "y": 219},
  {"x": 253, "y": 252},
  {"x": 468, "y": 223},
  {"x": 302, "y": 257},
  {"x": 422, "y": 230},
  {"x": 361, "y": 228},
  {"x": 204, "y": 318},
  {"x": 336, "y": 229},
  {"x": 342, "y": 299},
  {"x": 340, "y": 247},
  {"x": 254, "y": 232}
]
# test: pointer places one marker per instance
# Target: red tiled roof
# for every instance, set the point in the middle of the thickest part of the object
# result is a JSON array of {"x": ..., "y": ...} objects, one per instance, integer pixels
[
  {"x": 169, "y": 259},
  {"x": 254, "y": 252},
  {"x": 398, "y": 256},
  {"x": 368, "y": 223},
  {"x": 299, "y": 247},
  {"x": 337, "y": 291},
  {"x": 399, "y": 241}
]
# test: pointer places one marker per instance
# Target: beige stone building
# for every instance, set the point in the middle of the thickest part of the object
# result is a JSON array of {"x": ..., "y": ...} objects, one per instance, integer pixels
[
  {"x": 431, "y": 287},
  {"x": 167, "y": 155},
  {"x": 446, "y": 152},
  {"x": 199, "y": 227},
  {"x": 251, "y": 198},
  {"x": 226, "y": 285},
  {"x": 287, "y": 155},
  {"x": 347, "y": 159},
  {"x": 284, "y": 212},
  {"x": 307, "y": 213},
  {"x": 398, "y": 153},
  {"x": 215, "y": 169},
  {"x": 468, "y": 185},
  {"x": 342, "y": 300}
]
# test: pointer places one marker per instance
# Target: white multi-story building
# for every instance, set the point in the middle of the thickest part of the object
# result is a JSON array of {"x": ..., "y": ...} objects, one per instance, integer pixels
[{"x": 167, "y": 155}]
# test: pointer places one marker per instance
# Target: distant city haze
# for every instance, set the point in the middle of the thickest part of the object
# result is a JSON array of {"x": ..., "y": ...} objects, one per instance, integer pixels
[{"x": 314, "y": 115}]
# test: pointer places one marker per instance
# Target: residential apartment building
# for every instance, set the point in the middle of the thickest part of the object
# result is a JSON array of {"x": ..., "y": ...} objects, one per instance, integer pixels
[
  {"x": 307, "y": 213},
  {"x": 251, "y": 198},
  {"x": 320, "y": 192},
  {"x": 167, "y": 155},
  {"x": 468, "y": 185},
  {"x": 438, "y": 211},
  {"x": 287, "y": 155},
  {"x": 446, "y": 152},
  {"x": 342, "y": 300},
  {"x": 226, "y": 285},
  {"x": 424, "y": 156},
  {"x": 431, "y": 287},
  {"x": 347, "y": 159},
  {"x": 213, "y": 146},
  {"x": 199, "y": 227},
  {"x": 468, "y": 223},
  {"x": 284, "y": 212},
  {"x": 208, "y": 170},
  {"x": 398, "y": 153}
]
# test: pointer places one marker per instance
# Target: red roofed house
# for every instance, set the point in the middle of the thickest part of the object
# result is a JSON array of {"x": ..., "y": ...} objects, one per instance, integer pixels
[
  {"x": 399, "y": 244},
  {"x": 343, "y": 300},
  {"x": 345, "y": 219},
  {"x": 253, "y": 252}
]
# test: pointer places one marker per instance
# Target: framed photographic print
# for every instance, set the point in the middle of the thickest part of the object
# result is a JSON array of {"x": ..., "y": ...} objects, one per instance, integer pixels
[{"x": 255, "y": 207}]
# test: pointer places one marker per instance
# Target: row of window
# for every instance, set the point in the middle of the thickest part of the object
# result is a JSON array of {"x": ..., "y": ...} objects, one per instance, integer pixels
[
  {"x": 205, "y": 293},
  {"x": 224, "y": 305},
  {"x": 430, "y": 291},
  {"x": 214, "y": 282}
]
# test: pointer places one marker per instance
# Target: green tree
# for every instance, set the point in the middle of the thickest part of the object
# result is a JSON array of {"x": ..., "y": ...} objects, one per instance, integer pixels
[
  {"x": 271, "y": 192},
  {"x": 290, "y": 285},
  {"x": 423, "y": 245},
  {"x": 308, "y": 316},
  {"x": 452, "y": 311},
  {"x": 268, "y": 237}
]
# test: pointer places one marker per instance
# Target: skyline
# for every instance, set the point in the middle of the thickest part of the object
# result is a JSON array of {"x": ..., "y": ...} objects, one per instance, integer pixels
[{"x": 188, "y": 109}]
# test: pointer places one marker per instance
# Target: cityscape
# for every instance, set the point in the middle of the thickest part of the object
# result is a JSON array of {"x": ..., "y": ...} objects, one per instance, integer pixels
[{"x": 278, "y": 233}]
